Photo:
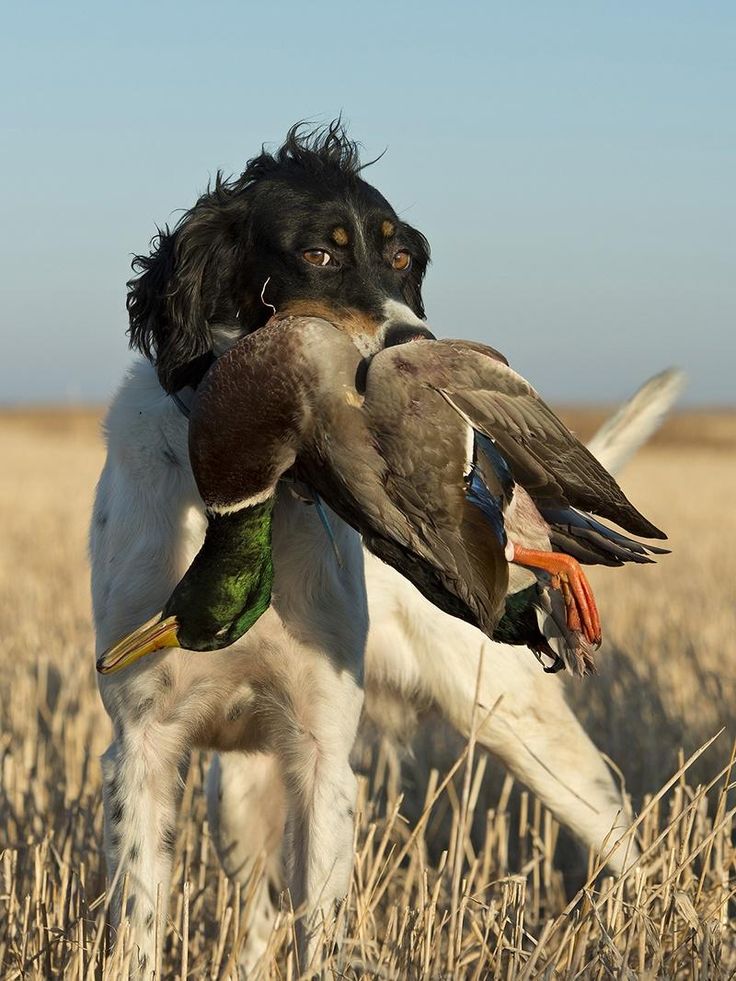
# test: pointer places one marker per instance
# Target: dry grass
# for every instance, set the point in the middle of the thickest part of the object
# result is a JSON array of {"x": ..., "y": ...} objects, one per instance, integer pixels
[{"x": 477, "y": 887}]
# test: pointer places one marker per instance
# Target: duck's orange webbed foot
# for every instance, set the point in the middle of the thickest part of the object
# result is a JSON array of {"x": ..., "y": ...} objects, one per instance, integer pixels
[{"x": 567, "y": 576}]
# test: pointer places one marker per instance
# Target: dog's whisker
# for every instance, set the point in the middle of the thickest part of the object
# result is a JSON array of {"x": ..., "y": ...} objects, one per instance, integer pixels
[{"x": 264, "y": 301}]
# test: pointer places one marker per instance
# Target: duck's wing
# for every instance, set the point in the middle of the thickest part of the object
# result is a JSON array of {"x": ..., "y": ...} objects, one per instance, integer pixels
[
  {"x": 549, "y": 461},
  {"x": 470, "y": 588},
  {"x": 396, "y": 471}
]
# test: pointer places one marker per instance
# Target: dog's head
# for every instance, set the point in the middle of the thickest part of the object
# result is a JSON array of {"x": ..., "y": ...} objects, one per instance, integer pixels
[{"x": 299, "y": 232}]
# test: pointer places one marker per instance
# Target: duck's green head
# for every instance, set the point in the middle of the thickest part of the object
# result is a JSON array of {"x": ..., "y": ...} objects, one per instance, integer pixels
[{"x": 224, "y": 591}]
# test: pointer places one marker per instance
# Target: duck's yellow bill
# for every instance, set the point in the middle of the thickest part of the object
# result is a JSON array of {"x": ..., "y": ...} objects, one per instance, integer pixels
[{"x": 154, "y": 635}]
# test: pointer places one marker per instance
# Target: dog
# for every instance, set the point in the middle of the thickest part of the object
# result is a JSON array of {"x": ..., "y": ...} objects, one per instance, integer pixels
[{"x": 298, "y": 232}]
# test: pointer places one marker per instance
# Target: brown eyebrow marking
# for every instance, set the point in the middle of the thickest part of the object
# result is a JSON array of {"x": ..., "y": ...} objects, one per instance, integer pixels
[
  {"x": 388, "y": 228},
  {"x": 340, "y": 236}
]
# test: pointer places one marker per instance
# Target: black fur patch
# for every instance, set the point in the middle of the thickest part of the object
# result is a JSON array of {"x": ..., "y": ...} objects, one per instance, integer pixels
[
  {"x": 235, "y": 711},
  {"x": 113, "y": 788},
  {"x": 168, "y": 839},
  {"x": 170, "y": 457},
  {"x": 141, "y": 709}
]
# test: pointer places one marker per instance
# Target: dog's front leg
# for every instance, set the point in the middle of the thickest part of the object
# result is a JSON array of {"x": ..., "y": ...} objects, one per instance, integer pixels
[
  {"x": 141, "y": 791},
  {"x": 319, "y": 593},
  {"x": 246, "y": 807},
  {"x": 321, "y": 791}
]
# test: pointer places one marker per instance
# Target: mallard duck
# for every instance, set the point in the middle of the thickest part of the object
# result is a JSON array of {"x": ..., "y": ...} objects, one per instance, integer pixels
[{"x": 447, "y": 462}]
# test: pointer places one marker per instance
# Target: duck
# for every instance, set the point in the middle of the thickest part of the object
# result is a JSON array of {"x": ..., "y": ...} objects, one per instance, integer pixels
[{"x": 447, "y": 462}]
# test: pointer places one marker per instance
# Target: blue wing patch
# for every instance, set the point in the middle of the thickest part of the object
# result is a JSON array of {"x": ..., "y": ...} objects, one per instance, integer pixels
[
  {"x": 477, "y": 491},
  {"x": 497, "y": 461}
]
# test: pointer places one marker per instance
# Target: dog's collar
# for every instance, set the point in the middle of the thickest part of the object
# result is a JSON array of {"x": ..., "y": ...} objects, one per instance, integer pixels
[{"x": 183, "y": 400}]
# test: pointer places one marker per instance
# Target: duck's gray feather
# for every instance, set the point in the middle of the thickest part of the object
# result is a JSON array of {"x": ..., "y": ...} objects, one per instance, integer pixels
[
  {"x": 546, "y": 458},
  {"x": 394, "y": 464}
]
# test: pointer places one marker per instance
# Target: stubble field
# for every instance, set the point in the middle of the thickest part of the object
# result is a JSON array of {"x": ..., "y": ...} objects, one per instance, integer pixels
[{"x": 429, "y": 899}]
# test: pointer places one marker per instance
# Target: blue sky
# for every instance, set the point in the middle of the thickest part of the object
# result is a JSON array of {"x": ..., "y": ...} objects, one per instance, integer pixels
[{"x": 572, "y": 164}]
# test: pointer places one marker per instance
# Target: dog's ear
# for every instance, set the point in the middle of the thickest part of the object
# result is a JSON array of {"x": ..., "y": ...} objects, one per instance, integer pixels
[
  {"x": 419, "y": 248},
  {"x": 187, "y": 284}
]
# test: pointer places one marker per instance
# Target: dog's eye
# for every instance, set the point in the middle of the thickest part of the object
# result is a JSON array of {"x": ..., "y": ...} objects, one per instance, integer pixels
[
  {"x": 317, "y": 257},
  {"x": 401, "y": 260}
]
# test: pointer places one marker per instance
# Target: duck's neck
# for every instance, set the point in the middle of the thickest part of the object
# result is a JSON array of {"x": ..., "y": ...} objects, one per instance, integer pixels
[
  {"x": 228, "y": 585},
  {"x": 518, "y": 625}
]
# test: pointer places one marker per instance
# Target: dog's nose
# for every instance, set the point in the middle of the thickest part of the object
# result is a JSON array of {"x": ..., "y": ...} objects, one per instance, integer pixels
[{"x": 401, "y": 333}]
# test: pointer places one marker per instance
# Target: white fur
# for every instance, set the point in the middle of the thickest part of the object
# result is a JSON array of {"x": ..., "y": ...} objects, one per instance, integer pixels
[
  {"x": 637, "y": 419},
  {"x": 291, "y": 688},
  {"x": 282, "y": 705},
  {"x": 400, "y": 313}
]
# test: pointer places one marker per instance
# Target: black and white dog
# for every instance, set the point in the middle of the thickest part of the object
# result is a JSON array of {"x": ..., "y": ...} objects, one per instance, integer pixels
[{"x": 299, "y": 232}]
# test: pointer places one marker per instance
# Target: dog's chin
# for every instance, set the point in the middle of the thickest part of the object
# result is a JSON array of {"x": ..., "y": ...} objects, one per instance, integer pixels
[{"x": 406, "y": 335}]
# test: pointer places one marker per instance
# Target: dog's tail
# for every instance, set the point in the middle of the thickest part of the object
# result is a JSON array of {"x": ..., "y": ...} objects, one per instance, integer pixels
[{"x": 636, "y": 420}]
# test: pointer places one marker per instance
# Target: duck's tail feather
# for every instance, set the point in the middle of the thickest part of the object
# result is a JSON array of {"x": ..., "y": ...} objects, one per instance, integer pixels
[
  {"x": 536, "y": 617},
  {"x": 566, "y": 648},
  {"x": 589, "y": 541}
]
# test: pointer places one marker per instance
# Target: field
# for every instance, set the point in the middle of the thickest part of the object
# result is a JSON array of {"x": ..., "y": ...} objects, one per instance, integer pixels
[{"x": 428, "y": 899}]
